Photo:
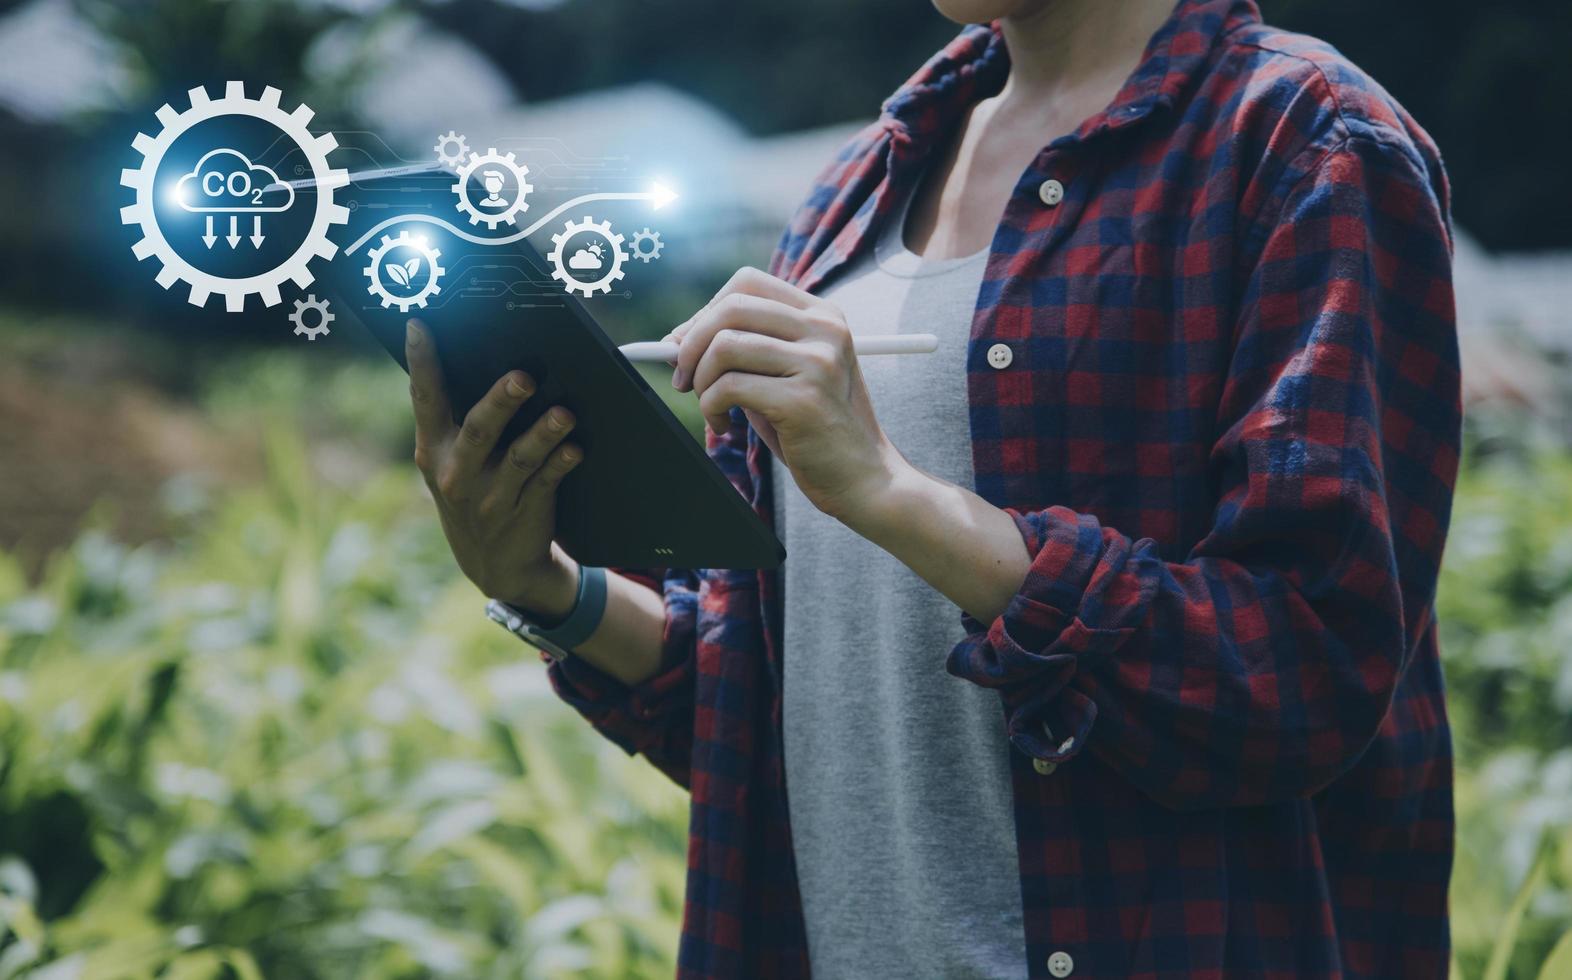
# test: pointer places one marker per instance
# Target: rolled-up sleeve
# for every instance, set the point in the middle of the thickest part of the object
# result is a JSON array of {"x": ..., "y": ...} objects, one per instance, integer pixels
[
  {"x": 1261, "y": 666},
  {"x": 654, "y": 717}
]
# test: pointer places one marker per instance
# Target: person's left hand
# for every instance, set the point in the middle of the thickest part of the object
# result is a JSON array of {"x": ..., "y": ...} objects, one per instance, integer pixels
[{"x": 785, "y": 357}]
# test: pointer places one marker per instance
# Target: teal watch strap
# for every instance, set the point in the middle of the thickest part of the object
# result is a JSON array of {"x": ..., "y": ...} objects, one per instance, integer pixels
[{"x": 588, "y": 608}]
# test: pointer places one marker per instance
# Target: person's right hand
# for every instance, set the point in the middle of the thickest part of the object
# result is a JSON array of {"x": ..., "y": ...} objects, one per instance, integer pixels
[{"x": 499, "y": 515}]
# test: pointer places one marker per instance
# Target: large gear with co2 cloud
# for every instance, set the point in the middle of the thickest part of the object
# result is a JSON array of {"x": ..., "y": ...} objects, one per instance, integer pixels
[
  {"x": 293, "y": 125},
  {"x": 514, "y": 208},
  {"x": 434, "y": 271},
  {"x": 559, "y": 269}
]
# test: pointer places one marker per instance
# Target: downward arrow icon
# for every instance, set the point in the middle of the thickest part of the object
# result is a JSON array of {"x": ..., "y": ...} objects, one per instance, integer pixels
[
  {"x": 256, "y": 231},
  {"x": 233, "y": 238},
  {"x": 209, "y": 238}
]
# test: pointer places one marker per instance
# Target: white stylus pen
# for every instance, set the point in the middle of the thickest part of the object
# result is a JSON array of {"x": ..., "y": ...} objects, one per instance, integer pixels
[{"x": 895, "y": 343}]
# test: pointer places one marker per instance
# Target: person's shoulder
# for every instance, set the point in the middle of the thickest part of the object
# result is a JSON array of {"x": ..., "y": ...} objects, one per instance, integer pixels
[
  {"x": 844, "y": 178},
  {"x": 1305, "y": 96},
  {"x": 861, "y": 156},
  {"x": 864, "y": 143}
]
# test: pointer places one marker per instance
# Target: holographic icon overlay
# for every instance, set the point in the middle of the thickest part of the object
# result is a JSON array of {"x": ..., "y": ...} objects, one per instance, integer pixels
[
  {"x": 397, "y": 265},
  {"x": 315, "y": 310},
  {"x": 265, "y": 283},
  {"x": 496, "y": 171},
  {"x": 587, "y": 257},
  {"x": 451, "y": 150},
  {"x": 646, "y": 245}
]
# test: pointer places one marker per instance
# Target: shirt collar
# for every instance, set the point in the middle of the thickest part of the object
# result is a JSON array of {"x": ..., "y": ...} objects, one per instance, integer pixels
[{"x": 974, "y": 66}]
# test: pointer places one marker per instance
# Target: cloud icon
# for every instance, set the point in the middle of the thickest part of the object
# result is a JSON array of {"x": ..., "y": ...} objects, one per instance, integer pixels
[
  {"x": 586, "y": 258},
  {"x": 225, "y": 180}
]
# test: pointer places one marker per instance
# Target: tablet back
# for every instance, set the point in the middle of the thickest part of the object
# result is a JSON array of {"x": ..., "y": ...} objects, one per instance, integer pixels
[{"x": 645, "y": 494}]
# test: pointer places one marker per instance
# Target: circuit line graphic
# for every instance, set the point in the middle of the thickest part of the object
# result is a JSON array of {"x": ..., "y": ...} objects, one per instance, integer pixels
[{"x": 657, "y": 194}]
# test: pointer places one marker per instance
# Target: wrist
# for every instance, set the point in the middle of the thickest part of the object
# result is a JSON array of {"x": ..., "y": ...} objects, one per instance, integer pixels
[
  {"x": 559, "y": 639},
  {"x": 888, "y": 501},
  {"x": 549, "y": 594}
]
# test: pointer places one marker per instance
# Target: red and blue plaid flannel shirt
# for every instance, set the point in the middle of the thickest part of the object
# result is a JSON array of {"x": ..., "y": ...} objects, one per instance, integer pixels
[{"x": 1228, "y": 435}]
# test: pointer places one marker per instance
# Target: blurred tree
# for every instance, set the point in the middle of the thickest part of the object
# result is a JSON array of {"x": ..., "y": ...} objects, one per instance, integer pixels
[
  {"x": 172, "y": 45},
  {"x": 55, "y": 240}
]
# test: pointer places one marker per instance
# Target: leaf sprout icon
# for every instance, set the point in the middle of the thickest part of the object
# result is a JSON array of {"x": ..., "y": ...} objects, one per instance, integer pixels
[{"x": 404, "y": 274}]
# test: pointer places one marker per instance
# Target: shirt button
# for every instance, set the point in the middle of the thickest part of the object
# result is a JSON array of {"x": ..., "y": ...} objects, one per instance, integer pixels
[
  {"x": 1000, "y": 356},
  {"x": 1051, "y": 192},
  {"x": 1044, "y": 767},
  {"x": 1060, "y": 964}
]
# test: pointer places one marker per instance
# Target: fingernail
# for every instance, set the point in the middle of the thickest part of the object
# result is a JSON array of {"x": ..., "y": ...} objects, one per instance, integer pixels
[
  {"x": 569, "y": 456},
  {"x": 556, "y": 420},
  {"x": 679, "y": 379},
  {"x": 514, "y": 388},
  {"x": 413, "y": 334}
]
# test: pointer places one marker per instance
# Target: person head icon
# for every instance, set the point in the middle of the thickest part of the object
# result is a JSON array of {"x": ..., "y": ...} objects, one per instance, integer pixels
[{"x": 493, "y": 180}]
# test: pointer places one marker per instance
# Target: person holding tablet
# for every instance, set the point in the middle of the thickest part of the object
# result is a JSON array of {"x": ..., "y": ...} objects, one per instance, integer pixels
[{"x": 1105, "y": 644}]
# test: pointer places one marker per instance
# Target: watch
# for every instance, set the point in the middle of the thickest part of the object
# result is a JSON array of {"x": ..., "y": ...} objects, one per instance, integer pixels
[{"x": 558, "y": 641}]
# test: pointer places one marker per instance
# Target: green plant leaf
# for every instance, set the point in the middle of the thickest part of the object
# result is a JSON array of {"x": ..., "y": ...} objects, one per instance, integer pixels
[
  {"x": 1506, "y": 937},
  {"x": 1558, "y": 965}
]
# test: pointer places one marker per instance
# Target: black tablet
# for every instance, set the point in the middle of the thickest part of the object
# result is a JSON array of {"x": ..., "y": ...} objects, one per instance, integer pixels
[{"x": 645, "y": 495}]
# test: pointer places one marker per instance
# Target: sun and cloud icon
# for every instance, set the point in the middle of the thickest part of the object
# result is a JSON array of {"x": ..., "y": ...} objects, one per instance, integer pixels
[
  {"x": 226, "y": 180},
  {"x": 591, "y": 257}
]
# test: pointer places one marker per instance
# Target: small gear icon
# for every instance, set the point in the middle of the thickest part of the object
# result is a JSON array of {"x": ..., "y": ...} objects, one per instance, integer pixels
[
  {"x": 613, "y": 267},
  {"x": 504, "y": 210},
  {"x": 324, "y": 317},
  {"x": 294, "y": 126},
  {"x": 434, "y": 271},
  {"x": 451, "y": 150},
  {"x": 644, "y": 237}
]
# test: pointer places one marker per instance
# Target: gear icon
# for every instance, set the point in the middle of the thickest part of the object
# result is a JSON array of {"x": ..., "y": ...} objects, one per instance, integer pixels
[
  {"x": 505, "y": 210},
  {"x": 142, "y": 180},
  {"x": 434, "y": 271},
  {"x": 451, "y": 150},
  {"x": 324, "y": 317},
  {"x": 640, "y": 238},
  {"x": 613, "y": 267}
]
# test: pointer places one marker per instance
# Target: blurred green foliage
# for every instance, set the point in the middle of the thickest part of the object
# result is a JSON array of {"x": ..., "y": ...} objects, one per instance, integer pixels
[
  {"x": 1505, "y": 612},
  {"x": 285, "y": 743},
  {"x": 290, "y": 744}
]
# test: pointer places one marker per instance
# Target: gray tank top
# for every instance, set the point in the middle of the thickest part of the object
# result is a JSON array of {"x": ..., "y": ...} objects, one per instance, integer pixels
[{"x": 897, "y": 773}]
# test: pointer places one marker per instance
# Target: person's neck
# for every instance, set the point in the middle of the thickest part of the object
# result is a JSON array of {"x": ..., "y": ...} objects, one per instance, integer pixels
[{"x": 1063, "y": 47}]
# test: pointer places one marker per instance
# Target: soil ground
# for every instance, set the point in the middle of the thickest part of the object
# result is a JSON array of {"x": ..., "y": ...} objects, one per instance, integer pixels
[{"x": 85, "y": 426}]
